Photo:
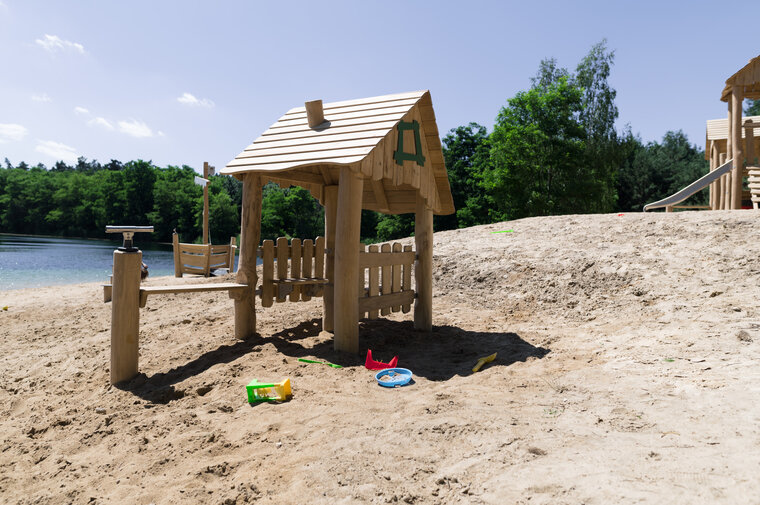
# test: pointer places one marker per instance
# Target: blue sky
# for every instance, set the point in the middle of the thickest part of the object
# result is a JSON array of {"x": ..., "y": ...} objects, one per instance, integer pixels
[{"x": 182, "y": 82}]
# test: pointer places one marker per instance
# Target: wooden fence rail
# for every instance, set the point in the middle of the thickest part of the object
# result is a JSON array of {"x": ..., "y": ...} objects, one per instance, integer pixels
[
  {"x": 387, "y": 272},
  {"x": 305, "y": 262}
]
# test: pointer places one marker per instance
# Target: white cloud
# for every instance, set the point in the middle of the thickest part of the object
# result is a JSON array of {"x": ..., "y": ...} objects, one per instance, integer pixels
[
  {"x": 12, "y": 132},
  {"x": 192, "y": 101},
  {"x": 43, "y": 98},
  {"x": 135, "y": 128},
  {"x": 57, "y": 150},
  {"x": 81, "y": 110},
  {"x": 102, "y": 122},
  {"x": 54, "y": 44}
]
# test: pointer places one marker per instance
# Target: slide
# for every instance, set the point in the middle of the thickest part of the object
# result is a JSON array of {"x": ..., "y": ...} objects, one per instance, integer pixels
[{"x": 692, "y": 188}]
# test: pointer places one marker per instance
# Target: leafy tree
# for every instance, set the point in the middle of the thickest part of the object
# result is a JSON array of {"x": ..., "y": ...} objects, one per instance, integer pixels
[
  {"x": 753, "y": 108},
  {"x": 393, "y": 226},
  {"x": 653, "y": 171},
  {"x": 537, "y": 149},
  {"x": 139, "y": 178},
  {"x": 466, "y": 154}
]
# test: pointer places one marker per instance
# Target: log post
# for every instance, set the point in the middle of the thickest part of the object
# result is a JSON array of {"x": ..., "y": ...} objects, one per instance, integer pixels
[
  {"x": 749, "y": 143},
  {"x": 713, "y": 165},
  {"x": 250, "y": 233},
  {"x": 736, "y": 147},
  {"x": 423, "y": 271},
  {"x": 347, "y": 228},
  {"x": 315, "y": 114},
  {"x": 125, "y": 315},
  {"x": 328, "y": 297},
  {"x": 177, "y": 255},
  {"x": 723, "y": 181},
  {"x": 205, "y": 204}
]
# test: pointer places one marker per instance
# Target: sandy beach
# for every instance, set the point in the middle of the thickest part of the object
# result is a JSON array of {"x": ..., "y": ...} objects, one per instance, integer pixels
[{"x": 627, "y": 372}]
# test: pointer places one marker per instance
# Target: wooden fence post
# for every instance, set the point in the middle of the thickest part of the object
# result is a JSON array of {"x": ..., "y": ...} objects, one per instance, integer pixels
[
  {"x": 177, "y": 255},
  {"x": 331, "y": 209},
  {"x": 125, "y": 315}
]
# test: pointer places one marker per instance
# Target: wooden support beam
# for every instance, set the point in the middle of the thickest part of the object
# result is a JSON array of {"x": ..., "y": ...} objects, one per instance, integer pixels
[
  {"x": 331, "y": 210},
  {"x": 736, "y": 146},
  {"x": 721, "y": 198},
  {"x": 205, "y": 204},
  {"x": 423, "y": 272},
  {"x": 380, "y": 197},
  {"x": 250, "y": 234},
  {"x": 348, "y": 224},
  {"x": 749, "y": 142},
  {"x": 125, "y": 315},
  {"x": 177, "y": 255}
]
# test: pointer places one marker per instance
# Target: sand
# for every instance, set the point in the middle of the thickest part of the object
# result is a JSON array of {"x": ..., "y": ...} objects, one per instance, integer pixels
[{"x": 627, "y": 372}]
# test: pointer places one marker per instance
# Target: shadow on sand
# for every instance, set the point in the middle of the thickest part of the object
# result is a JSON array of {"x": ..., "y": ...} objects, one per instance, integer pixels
[{"x": 445, "y": 352}]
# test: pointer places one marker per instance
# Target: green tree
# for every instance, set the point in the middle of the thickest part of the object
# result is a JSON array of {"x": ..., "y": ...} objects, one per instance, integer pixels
[
  {"x": 537, "y": 148},
  {"x": 466, "y": 154},
  {"x": 752, "y": 109}
]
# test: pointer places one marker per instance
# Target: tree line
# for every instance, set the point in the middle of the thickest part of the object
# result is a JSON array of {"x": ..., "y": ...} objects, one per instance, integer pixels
[{"x": 553, "y": 149}]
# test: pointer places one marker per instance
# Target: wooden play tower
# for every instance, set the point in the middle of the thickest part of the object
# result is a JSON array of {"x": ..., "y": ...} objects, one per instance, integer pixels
[{"x": 381, "y": 153}]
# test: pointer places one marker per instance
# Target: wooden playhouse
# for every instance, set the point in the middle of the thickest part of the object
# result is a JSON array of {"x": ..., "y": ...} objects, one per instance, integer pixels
[{"x": 381, "y": 153}]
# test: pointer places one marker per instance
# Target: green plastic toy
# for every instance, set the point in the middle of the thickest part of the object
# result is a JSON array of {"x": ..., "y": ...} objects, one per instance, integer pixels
[
  {"x": 275, "y": 392},
  {"x": 304, "y": 360}
]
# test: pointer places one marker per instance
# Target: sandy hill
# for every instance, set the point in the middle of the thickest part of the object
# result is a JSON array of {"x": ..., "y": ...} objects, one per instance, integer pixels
[{"x": 627, "y": 372}]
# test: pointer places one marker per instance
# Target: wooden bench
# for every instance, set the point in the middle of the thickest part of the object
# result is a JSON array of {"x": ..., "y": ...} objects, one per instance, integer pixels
[{"x": 201, "y": 259}]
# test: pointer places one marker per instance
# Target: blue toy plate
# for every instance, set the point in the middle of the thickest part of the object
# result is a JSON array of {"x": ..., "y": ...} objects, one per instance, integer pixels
[{"x": 392, "y": 377}]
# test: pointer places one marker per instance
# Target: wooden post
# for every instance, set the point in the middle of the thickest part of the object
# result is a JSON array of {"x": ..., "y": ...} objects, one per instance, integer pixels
[
  {"x": 423, "y": 271},
  {"x": 722, "y": 184},
  {"x": 231, "y": 259},
  {"x": 347, "y": 227},
  {"x": 205, "y": 204},
  {"x": 315, "y": 114},
  {"x": 331, "y": 209},
  {"x": 736, "y": 147},
  {"x": 125, "y": 315},
  {"x": 749, "y": 142},
  {"x": 250, "y": 233},
  {"x": 713, "y": 165},
  {"x": 177, "y": 255}
]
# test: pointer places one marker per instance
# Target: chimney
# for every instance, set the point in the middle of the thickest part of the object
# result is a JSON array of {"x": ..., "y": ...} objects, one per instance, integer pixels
[{"x": 314, "y": 113}]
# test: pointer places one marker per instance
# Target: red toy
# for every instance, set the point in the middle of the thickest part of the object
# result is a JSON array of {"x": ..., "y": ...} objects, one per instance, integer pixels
[{"x": 377, "y": 365}]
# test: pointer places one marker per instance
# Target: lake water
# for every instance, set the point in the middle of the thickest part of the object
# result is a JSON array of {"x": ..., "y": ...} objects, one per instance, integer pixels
[{"x": 28, "y": 261}]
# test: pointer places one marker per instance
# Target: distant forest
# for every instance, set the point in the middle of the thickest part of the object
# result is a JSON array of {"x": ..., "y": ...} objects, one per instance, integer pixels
[{"x": 553, "y": 150}]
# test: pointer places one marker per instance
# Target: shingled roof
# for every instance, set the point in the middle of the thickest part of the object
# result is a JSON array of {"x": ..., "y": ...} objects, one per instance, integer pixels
[{"x": 363, "y": 135}]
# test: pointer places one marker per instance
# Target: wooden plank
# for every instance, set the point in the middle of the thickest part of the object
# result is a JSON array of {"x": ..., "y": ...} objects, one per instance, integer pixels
[
  {"x": 365, "y": 101},
  {"x": 266, "y": 150},
  {"x": 283, "y": 252},
  {"x": 317, "y": 142},
  {"x": 194, "y": 260},
  {"x": 385, "y": 258},
  {"x": 374, "y": 282},
  {"x": 396, "y": 278},
  {"x": 193, "y": 248},
  {"x": 308, "y": 262},
  {"x": 384, "y": 302},
  {"x": 300, "y": 282},
  {"x": 192, "y": 288},
  {"x": 406, "y": 284},
  {"x": 366, "y": 164},
  {"x": 272, "y": 169},
  {"x": 302, "y": 156},
  {"x": 295, "y": 267},
  {"x": 335, "y": 115},
  {"x": 267, "y": 270},
  {"x": 319, "y": 258},
  {"x": 332, "y": 134},
  {"x": 387, "y": 275},
  {"x": 357, "y": 107},
  {"x": 368, "y": 122},
  {"x": 380, "y": 198},
  {"x": 360, "y": 278}
]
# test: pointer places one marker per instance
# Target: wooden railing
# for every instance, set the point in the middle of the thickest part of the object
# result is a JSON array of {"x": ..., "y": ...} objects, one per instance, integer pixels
[
  {"x": 201, "y": 259},
  {"x": 387, "y": 272},
  {"x": 306, "y": 275}
]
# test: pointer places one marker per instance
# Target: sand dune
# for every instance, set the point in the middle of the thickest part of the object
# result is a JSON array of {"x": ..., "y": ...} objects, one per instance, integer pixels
[{"x": 627, "y": 372}]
